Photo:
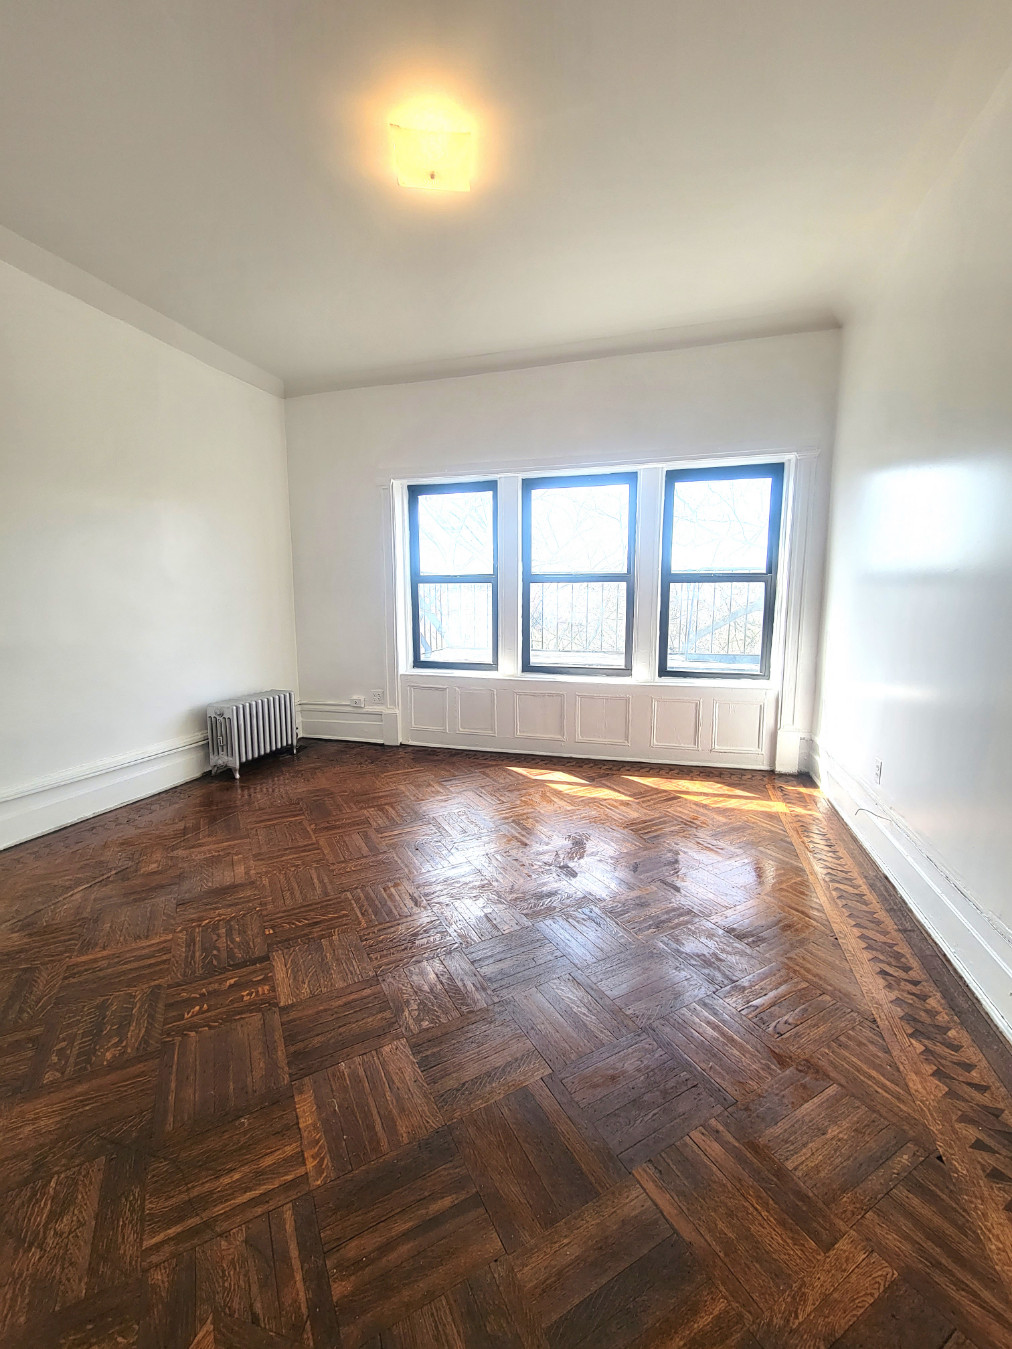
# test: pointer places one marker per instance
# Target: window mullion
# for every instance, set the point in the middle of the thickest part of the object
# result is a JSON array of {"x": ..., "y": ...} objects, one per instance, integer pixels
[
  {"x": 646, "y": 565},
  {"x": 509, "y": 575}
]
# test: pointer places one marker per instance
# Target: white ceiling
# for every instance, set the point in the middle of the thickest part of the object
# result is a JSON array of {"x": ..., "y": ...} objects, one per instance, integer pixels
[{"x": 642, "y": 164}]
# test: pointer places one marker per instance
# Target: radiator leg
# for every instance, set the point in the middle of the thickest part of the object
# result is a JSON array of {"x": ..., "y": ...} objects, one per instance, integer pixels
[{"x": 235, "y": 774}]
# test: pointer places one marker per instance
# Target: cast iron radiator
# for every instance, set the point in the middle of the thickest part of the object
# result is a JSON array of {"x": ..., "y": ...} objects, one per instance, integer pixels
[{"x": 245, "y": 728}]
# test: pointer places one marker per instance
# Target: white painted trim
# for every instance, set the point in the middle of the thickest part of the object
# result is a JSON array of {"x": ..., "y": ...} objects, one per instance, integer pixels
[
  {"x": 340, "y": 721},
  {"x": 810, "y": 759},
  {"x": 59, "y": 799},
  {"x": 389, "y": 508},
  {"x": 791, "y": 750},
  {"x": 647, "y": 572},
  {"x": 65, "y": 276},
  {"x": 95, "y": 769},
  {"x": 800, "y": 503},
  {"x": 391, "y": 726},
  {"x": 509, "y": 565},
  {"x": 977, "y": 943}
]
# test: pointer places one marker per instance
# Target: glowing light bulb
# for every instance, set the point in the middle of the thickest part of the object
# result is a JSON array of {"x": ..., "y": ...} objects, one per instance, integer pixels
[{"x": 432, "y": 145}]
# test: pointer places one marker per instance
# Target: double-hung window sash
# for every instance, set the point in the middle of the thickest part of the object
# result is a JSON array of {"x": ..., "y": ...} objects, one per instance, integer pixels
[
  {"x": 454, "y": 590},
  {"x": 579, "y": 546},
  {"x": 720, "y": 541}
]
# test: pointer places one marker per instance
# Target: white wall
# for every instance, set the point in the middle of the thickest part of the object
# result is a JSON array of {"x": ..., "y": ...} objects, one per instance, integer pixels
[
  {"x": 766, "y": 395},
  {"x": 918, "y": 657},
  {"x": 145, "y": 559}
]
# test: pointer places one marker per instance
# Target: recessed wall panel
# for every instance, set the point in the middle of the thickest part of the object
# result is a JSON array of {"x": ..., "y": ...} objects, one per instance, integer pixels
[
  {"x": 476, "y": 711},
  {"x": 428, "y": 708},
  {"x": 737, "y": 726},
  {"x": 602, "y": 719},
  {"x": 540, "y": 716},
  {"x": 675, "y": 723}
]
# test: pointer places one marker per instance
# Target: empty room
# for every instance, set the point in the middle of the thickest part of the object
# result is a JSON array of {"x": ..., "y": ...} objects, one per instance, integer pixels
[{"x": 505, "y": 631}]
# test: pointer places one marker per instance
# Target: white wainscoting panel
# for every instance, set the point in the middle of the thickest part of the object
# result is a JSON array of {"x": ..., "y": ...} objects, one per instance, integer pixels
[
  {"x": 427, "y": 707},
  {"x": 675, "y": 723},
  {"x": 476, "y": 711},
  {"x": 737, "y": 726},
  {"x": 540, "y": 716},
  {"x": 603, "y": 719},
  {"x": 650, "y": 721}
]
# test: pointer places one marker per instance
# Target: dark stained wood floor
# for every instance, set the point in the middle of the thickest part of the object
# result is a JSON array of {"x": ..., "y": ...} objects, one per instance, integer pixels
[{"x": 390, "y": 1047}]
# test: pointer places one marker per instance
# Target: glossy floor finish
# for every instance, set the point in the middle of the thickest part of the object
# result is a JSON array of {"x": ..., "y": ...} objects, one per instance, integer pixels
[{"x": 392, "y": 1047}]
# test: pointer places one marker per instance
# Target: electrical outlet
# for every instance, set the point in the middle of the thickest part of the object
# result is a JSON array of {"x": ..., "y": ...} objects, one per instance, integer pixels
[
  {"x": 378, "y": 697},
  {"x": 878, "y": 771},
  {"x": 357, "y": 701}
]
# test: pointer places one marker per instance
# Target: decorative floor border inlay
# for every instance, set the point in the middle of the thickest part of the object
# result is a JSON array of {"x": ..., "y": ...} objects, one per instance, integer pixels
[{"x": 967, "y": 1109}]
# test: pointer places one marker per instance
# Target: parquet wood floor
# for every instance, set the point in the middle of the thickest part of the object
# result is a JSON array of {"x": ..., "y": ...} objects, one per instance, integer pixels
[{"x": 405, "y": 1049}]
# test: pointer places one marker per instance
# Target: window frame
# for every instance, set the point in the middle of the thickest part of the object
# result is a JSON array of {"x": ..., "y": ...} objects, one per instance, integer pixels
[
  {"x": 529, "y": 578},
  {"x": 416, "y": 490},
  {"x": 775, "y": 472}
]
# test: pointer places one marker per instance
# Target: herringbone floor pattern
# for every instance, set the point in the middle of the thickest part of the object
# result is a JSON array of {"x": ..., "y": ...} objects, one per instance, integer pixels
[{"x": 397, "y": 1048}]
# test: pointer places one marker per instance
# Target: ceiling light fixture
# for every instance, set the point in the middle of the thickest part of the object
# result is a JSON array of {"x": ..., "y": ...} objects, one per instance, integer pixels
[{"x": 432, "y": 145}]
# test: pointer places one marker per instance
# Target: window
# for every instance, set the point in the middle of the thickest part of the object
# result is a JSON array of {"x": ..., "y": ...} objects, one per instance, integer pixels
[
  {"x": 454, "y": 600},
  {"x": 579, "y": 537},
  {"x": 718, "y": 569}
]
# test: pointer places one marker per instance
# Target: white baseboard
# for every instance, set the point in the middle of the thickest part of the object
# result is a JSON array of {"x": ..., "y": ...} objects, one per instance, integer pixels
[
  {"x": 788, "y": 755},
  {"x": 794, "y": 750},
  {"x": 813, "y": 760},
  {"x": 339, "y": 721},
  {"x": 64, "y": 798},
  {"x": 977, "y": 943}
]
